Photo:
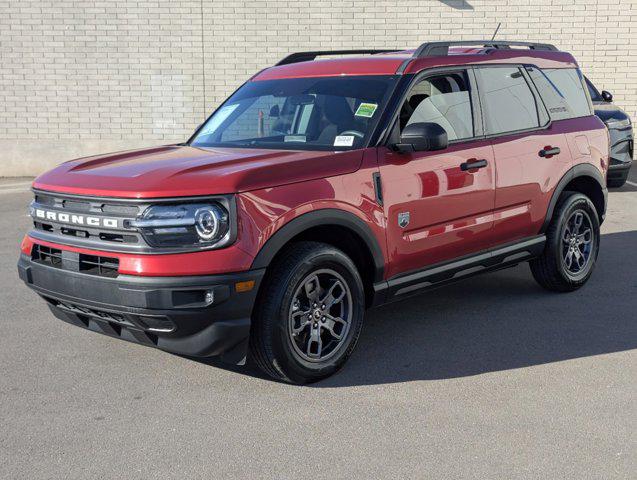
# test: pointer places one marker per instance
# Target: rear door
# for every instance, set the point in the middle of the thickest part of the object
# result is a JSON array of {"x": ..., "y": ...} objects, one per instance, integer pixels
[
  {"x": 531, "y": 154},
  {"x": 437, "y": 207}
]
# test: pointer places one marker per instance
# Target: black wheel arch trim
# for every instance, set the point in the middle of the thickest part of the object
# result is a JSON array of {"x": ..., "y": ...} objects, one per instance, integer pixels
[
  {"x": 318, "y": 218},
  {"x": 580, "y": 170}
]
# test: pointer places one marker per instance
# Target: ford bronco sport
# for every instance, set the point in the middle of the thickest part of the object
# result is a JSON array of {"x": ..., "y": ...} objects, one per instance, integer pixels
[{"x": 324, "y": 187}]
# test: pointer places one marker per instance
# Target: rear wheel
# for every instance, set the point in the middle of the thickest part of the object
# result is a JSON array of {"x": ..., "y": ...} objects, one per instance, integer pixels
[
  {"x": 309, "y": 315},
  {"x": 572, "y": 244}
]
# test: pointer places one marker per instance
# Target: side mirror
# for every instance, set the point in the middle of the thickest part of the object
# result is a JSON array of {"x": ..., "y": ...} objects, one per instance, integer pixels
[
  {"x": 275, "y": 111},
  {"x": 607, "y": 96},
  {"x": 420, "y": 137}
]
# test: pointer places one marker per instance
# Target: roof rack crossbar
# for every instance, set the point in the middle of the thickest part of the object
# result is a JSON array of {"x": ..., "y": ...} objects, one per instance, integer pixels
[
  {"x": 309, "y": 56},
  {"x": 433, "y": 49}
]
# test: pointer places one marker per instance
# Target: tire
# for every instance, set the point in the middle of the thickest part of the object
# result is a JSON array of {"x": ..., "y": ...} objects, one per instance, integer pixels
[
  {"x": 616, "y": 182},
  {"x": 553, "y": 270},
  {"x": 289, "y": 340}
]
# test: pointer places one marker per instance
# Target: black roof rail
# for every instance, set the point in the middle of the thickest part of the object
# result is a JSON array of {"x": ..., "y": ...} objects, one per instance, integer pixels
[
  {"x": 309, "y": 56},
  {"x": 433, "y": 49}
]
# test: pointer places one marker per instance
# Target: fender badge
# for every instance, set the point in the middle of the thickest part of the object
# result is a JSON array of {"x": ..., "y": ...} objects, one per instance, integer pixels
[{"x": 403, "y": 219}]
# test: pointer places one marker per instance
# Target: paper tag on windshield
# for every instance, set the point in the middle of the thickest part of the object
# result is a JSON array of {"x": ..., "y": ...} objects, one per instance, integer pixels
[
  {"x": 295, "y": 138},
  {"x": 366, "y": 110},
  {"x": 344, "y": 141}
]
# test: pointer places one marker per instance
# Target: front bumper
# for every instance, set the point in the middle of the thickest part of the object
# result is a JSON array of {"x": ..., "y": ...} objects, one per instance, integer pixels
[
  {"x": 621, "y": 145},
  {"x": 618, "y": 170},
  {"x": 170, "y": 313},
  {"x": 621, "y": 153}
]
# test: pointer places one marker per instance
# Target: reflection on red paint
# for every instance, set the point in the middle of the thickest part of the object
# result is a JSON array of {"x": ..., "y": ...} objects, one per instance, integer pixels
[
  {"x": 430, "y": 184},
  {"x": 457, "y": 179}
]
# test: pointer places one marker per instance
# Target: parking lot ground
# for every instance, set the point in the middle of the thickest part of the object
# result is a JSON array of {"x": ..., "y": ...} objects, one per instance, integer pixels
[{"x": 489, "y": 378}]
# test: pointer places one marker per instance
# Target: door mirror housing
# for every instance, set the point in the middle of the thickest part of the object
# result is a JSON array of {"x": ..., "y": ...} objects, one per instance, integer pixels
[
  {"x": 607, "y": 96},
  {"x": 422, "y": 137}
]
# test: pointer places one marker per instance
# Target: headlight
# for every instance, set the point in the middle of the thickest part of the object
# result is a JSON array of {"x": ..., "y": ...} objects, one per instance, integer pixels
[
  {"x": 199, "y": 225},
  {"x": 208, "y": 222},
  {"x": 618, "y": 124}
]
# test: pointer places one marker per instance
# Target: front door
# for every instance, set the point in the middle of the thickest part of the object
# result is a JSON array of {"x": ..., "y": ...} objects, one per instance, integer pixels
[{"x": 439, "y": 205}]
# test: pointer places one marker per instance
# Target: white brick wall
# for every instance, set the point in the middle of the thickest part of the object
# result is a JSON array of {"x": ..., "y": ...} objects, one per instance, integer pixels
[{"x": 77, "y": 77}]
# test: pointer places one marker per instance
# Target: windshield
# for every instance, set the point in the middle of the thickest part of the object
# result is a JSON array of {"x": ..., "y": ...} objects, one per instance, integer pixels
[
  {"x": 595, "y": 95},
  {"x": 332, "y": 113}
]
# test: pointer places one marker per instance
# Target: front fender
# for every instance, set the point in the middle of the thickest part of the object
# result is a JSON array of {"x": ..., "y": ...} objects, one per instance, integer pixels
[{"x": 322, "y": 217}]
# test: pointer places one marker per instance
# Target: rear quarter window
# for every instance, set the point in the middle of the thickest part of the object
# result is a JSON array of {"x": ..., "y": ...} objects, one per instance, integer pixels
[{"x": 563, "y": 92}]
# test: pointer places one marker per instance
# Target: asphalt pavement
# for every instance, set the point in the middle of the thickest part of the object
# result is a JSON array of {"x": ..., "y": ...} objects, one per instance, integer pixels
[{"x": 492, "y": 378}]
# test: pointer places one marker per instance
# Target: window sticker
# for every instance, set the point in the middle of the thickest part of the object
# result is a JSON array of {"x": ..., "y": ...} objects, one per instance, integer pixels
[
  {"x": 366, "y": 110},
  {"x": 218, "y": 118},
  {"x": 344, "y": 141},
  {"x": 295, "y": 138}
]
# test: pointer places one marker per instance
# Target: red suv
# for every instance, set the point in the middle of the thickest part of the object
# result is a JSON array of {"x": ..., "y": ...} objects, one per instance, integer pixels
[{"x": 320, "y": 189}]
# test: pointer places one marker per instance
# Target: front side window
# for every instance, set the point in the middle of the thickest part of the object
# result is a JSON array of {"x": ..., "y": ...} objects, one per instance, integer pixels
[
  {"x": 442, "y": 99},
  {"x": 333, "y": 113},
  {"x": 507, "y": 100},
  {"x": 562, "y": 90}
]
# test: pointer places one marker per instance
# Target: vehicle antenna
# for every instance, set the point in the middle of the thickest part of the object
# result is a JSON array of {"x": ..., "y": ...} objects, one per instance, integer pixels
[{"x": 496, "y": 31}]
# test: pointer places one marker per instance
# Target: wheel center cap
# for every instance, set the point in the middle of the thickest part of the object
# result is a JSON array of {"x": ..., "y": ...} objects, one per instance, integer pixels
[{"x": 317, "y": 314}]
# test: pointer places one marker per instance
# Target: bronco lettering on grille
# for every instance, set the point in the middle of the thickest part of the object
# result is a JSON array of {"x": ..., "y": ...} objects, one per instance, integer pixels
[{"x": 74, "y": 219}]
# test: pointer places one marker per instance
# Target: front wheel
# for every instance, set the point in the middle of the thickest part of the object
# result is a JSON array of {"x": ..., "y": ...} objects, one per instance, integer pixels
[
  {"x": 309, "y": 315},
  {"x": 572, "y": 244}
]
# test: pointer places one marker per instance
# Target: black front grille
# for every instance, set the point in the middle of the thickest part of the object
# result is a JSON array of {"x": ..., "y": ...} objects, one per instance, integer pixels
[
  {"x": 85, "y": 206},
  {"x": 75, "y": 229},
  {"x": 47, "y": 255},
  {"x": 77, "y": 262},
  {"x": 96, "y": 265}
]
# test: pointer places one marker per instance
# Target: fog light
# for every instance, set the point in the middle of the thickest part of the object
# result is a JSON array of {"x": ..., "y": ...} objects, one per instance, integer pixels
[{"x": 210, "y": 297}]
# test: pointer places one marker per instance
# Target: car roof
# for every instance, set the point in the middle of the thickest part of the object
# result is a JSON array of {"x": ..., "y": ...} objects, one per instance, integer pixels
[{"x": 405, "y": 62}]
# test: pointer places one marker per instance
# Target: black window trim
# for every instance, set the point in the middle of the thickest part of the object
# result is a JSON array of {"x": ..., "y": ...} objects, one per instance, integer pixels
[
  {"x": 537, "y": 96},
  {"x": 385, "y": 136}
]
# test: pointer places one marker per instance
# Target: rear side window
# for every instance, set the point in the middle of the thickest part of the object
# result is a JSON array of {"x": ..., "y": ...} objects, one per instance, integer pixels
[
  {"x": 507, "y": 100},
  {"x": 562, "y": 90}
]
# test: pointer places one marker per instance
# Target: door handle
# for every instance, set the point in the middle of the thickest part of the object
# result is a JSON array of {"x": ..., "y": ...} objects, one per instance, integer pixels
[
  {"x": 473, "y": 164},
  {"x": 549, "y": 151}
]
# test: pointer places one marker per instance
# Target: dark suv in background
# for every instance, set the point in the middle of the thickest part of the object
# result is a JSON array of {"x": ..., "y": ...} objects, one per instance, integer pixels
[{"x": 621, "y": 135}]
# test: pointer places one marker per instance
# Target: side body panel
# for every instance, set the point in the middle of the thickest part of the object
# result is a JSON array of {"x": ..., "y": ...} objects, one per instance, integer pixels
[
  {"x": 266, "y": 211},
  {"x": 450, "y": 210},
  {"x": 526, "y": 182}
]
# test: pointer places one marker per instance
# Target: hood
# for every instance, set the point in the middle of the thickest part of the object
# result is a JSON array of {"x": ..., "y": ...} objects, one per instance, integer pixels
[
  {"x": 176, "y": 171},
  {"x": 608, "y": 112}
]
